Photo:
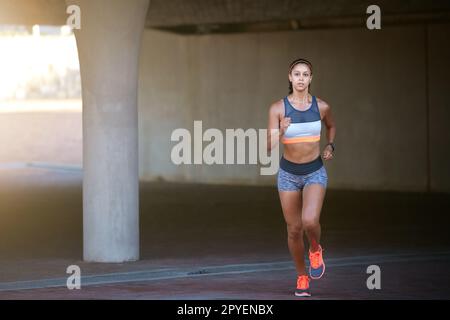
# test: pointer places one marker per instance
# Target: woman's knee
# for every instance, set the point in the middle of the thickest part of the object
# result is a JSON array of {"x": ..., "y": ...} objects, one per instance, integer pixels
[
  {"x": 310, "y": 223},
  {"x": 295, "y": 232}
]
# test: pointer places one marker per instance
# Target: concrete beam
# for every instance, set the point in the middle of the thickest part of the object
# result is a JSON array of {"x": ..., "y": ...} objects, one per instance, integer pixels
[{"x": 30, "y": 12}]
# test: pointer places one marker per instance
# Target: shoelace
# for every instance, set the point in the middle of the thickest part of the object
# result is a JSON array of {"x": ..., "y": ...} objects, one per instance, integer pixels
[
  {"x": 315, "y": 259},
  {"x": 303, "y": 282}
]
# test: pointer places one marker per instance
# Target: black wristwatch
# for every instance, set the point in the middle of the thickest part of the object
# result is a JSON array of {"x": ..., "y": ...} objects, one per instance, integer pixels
[{"x": 331, "y": 144}]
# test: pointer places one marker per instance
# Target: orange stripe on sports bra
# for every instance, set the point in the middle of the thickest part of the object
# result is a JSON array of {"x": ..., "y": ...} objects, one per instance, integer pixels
[{"x": 301, "y": 139}]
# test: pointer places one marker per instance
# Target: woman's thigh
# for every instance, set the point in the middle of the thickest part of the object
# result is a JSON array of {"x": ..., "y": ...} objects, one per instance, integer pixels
[
  {"x": 289, "y": 190},
  {"x": 313, "y": 196},
  {"x": 291, "y": 204}
]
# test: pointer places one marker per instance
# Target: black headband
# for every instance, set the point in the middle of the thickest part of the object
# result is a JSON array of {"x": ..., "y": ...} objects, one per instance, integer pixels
[{"x": 293, "y": 64}]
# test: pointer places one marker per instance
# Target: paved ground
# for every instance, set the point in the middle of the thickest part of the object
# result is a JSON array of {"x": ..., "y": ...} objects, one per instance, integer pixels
[{"x": 220, "y": 242}]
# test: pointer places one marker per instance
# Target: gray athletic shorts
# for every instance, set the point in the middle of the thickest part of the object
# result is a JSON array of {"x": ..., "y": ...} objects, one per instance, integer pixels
[{"x": 292, "y": 182}]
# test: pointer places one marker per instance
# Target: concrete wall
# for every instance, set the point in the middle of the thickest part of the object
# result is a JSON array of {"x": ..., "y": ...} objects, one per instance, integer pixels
[
  {"x": 375, "y": 81},
  {"x": 439, "y": 101}
]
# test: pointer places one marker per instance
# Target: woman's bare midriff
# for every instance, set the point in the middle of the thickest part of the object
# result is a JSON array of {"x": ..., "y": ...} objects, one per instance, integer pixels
[{"x": 301, "y": 152}]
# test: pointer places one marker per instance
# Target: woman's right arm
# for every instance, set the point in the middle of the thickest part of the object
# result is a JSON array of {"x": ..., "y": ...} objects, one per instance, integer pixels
[{"x": 275, "y": 128}]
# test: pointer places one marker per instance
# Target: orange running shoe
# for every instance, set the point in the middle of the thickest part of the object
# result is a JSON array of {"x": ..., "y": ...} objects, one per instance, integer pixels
[
  {"x": 316, "y": 264},
  {"x": 303, "y": 286}
]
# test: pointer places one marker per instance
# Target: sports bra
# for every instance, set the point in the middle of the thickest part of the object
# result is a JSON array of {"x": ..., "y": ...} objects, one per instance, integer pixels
[{"x": 305, "y": 125}]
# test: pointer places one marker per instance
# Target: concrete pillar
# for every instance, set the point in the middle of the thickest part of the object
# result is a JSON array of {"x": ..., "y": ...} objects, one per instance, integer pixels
[{"x": 108, "y": 48}]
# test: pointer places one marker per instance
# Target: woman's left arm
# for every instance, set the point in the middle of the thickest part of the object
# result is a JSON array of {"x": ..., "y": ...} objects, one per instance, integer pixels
[{"x": 331, "y": 129}]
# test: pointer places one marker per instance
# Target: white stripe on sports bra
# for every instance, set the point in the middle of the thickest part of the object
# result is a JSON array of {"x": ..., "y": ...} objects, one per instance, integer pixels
[{"x": 305, "y": 125}]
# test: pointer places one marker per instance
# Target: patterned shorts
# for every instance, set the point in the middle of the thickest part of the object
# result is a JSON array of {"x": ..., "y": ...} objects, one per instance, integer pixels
[{"x": 292, "y": 182}]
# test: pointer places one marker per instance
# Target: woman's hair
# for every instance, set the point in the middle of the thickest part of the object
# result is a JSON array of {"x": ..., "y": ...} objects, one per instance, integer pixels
[{"x": 293, "y": 64}]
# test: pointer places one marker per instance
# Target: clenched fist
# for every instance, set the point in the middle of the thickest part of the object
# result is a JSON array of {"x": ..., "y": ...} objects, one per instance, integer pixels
[
  {"x": 284, "y": 124},
  {"x": 327, "y": 153}
]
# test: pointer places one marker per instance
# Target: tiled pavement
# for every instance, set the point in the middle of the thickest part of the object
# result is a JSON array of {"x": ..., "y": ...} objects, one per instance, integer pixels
[{"x": 221, "y": 242}]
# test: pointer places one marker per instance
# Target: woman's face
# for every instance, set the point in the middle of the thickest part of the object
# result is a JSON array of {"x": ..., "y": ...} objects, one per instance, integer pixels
[{"x": 300, "y": 77}]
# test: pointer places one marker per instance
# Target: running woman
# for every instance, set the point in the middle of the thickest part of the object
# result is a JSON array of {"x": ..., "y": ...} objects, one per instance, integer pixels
[{"x": 302, "y": 177}]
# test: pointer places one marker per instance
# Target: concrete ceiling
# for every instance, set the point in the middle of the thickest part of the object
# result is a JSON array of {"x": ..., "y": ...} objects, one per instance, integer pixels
[
  {"x": 223, "y": 16},
  {"x": 206, "y": 16}
]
